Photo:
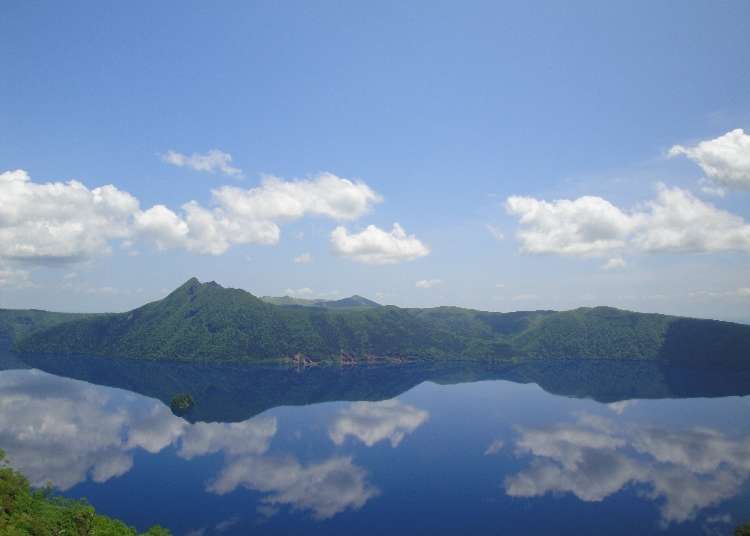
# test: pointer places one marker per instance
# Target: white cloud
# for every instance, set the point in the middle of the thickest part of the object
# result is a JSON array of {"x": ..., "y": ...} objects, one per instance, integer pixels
[
  {"x": 304, "y": 258},
  {"x": 428, "y": 283},
  {"x": 211, "y": 162},
  {"x": 725, "y": 160},
  {"x": 65, "y": 222},
  {"x": 584, "y": 226},
  {"x": 59, "y": 222},
  {"x": 376, "y": 246},
  {"x": 614, "y": 263},
  {"x": 676, "y": 221},
  {"x": 372, "y": 422},
  {"x": 252, "y": 216},
  {"x": 277, "y": 199}
]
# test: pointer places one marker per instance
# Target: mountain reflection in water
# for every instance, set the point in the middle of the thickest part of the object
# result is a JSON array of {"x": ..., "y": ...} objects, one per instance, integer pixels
[
  {"x": 488, "y": 455},
  {"x": 227, "y": 393}
]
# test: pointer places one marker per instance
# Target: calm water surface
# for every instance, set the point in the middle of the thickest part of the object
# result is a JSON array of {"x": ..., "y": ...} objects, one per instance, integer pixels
[{"x": 392, "y": 449}]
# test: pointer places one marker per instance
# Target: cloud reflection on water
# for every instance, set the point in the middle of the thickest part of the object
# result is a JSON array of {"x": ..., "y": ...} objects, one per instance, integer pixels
[
  {"x": 685, "y": 470},
  {"x": 65, "y": 431},
  {"x": 325, "y": 488},
  {"x": 372, "y": 422}
]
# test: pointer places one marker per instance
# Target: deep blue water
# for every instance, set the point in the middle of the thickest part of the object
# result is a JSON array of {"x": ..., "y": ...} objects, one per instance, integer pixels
[{"x": 488, "y": 456}]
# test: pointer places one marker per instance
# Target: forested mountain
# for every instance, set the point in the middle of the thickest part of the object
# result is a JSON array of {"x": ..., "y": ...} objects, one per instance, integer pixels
[{"x": 204, "y": 321}]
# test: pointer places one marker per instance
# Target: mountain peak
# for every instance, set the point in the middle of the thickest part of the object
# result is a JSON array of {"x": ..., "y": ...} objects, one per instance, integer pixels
[
  {"x": 193, "y": 285},
  {"x": 190, "y": 285}
]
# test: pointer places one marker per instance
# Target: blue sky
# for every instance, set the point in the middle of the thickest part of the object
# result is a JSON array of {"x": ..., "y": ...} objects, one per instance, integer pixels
[{"x": 437, "y": 113}]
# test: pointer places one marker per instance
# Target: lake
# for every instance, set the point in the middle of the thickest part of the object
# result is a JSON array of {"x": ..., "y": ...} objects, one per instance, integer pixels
[{"x": 562, "y": 447}]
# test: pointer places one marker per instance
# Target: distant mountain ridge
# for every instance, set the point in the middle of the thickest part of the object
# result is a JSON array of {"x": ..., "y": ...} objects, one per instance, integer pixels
[
  {"x": 344, "y": 303},
  {"x": 207, "y": 322}
]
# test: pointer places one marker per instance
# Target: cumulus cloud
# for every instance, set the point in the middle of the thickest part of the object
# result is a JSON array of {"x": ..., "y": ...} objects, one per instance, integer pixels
[
  {"x": 428, "y": 283},
  {"x": 372, "y": 422},
  {"x": 304, "y": 258},
  {"x": 277, "y": 199},
  {"x": 204, "y": 231},
  {"x": 584, "y": 226},
  {"x": 376, "y": 246},
  {"x": 685, "y": 470},
  {"x": 676, "y": 221},
  {"x": 59, "y": 222},
  {"x": 211, "y": 162},
  {"x": 253, "y": 216},
  {"x": 725, "y": 160}
]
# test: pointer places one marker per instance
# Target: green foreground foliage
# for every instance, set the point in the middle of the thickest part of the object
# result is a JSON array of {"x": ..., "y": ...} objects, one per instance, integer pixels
[
  {"x": 27, "y": 512},
  {"x": 206, "y": 322}
]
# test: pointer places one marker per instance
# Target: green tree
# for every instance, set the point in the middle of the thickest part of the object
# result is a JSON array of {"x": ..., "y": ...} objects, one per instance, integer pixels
[{"x": 28, "y": 512}]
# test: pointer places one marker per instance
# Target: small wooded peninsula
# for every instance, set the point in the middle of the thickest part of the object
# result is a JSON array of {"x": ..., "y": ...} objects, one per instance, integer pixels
[{"x": 207, "y": 322}]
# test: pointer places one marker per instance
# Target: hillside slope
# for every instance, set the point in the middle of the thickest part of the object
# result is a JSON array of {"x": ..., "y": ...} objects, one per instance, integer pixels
[
  {"x": 208, "y": 322},
  {"x": 18, "y": 323}
]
